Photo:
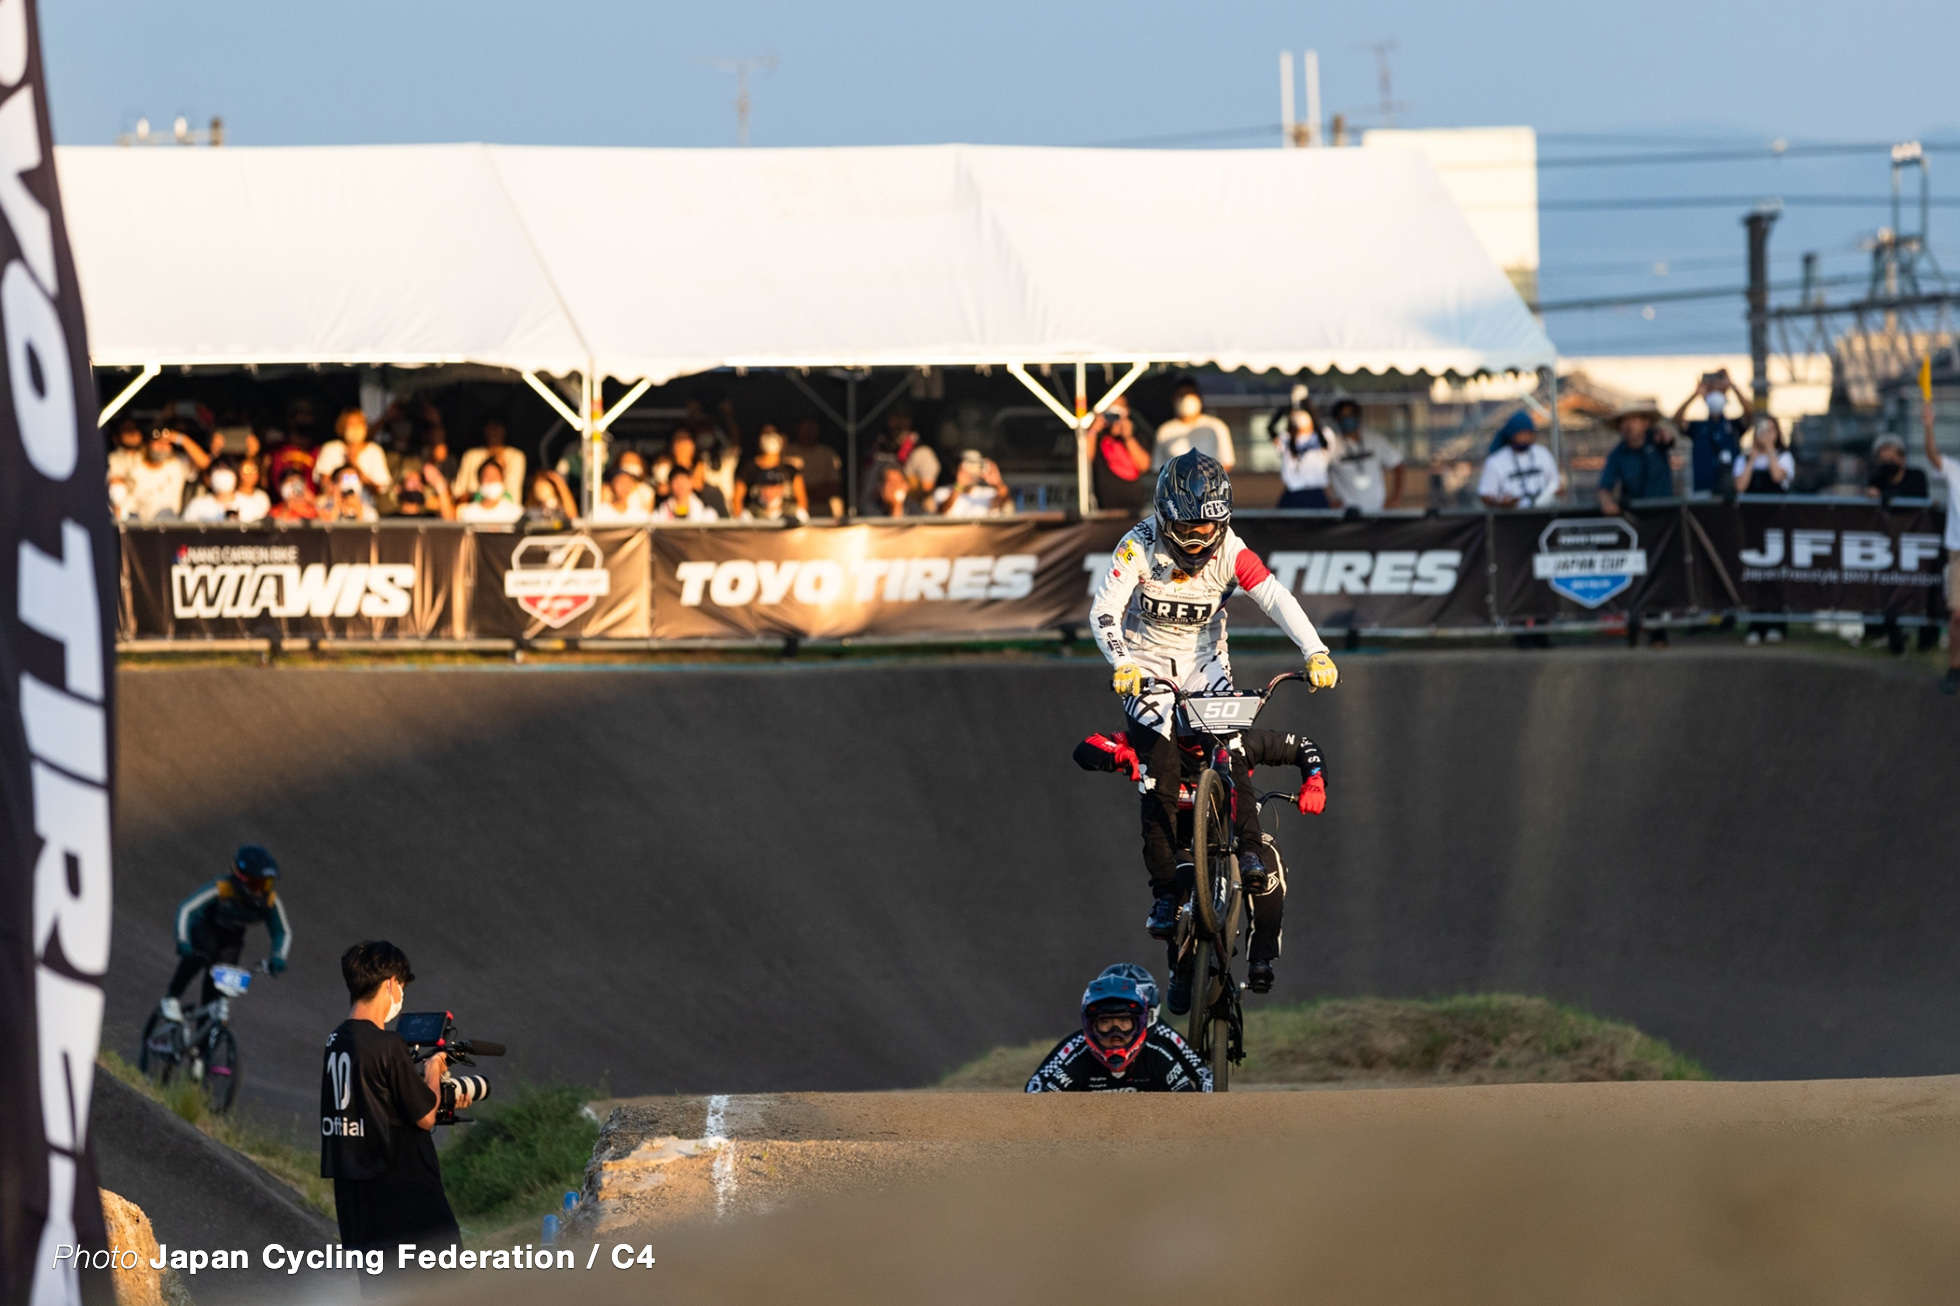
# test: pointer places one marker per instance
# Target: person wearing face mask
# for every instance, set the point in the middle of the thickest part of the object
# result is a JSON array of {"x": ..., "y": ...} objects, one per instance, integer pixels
[
  {"x": 354, "y": 449},
  {"x": 347, "y": 499},
  {"x": 1304, "y": 455},
  {"x": 492, "y": 501},
  {"x": 171, "y": 462},
  {"x": 770, "y": 456},
  {"x": 1520, "y": 472},
  {"x": 1891, "y": 478},
  {"x": 1367, "y": 470},
  {"x": 1716, "y": 439},
  {"x": 223, "y": 498},
  {"x": 378, "y": 1114},
  {"x": 295, "y": 499},
  {"x": 1193, "y": 428}
]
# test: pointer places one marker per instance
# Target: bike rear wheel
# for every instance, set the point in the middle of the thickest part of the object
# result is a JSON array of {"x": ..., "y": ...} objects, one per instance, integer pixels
[
  {"x": 220, "y": 1070},
  {"x": 1211, "y": 835}
]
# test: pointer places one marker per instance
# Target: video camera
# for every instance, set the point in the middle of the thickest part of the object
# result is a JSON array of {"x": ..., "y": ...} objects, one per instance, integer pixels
[{"x": 430, "y": 1032}]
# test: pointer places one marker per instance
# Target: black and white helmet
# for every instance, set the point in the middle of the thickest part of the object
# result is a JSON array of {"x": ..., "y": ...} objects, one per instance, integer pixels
[{"x": 1194, "y": 507}]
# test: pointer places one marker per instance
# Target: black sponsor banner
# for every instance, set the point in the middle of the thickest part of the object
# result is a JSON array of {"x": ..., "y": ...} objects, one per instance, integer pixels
[
  {"x": 57, "y": 733},
  {"x": 343, "y": 582},
  {"x": 912, "y": 579},
  {"x": 1384, "y": 573},
  {"x": 1577, "y": 565},
  {"x": 582, "y": 584},
  {"x": 1807, "y": 555}
]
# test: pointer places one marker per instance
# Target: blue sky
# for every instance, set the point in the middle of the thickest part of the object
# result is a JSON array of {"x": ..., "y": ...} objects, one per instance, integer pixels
[{"x": 587, "y": 72}]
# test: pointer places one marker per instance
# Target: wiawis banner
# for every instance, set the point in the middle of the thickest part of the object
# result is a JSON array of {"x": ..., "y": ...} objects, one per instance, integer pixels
[
  {"x": 576, "y": 584},
  {"x": 1774, "y": 555},
  {"x": 910, "y": 579},
  {"x": 57, "y": 739},
  {"x": 1388, "y": 573},
  {"x": 1584, "y": 566},
  {"x": 342, "y": 582}
]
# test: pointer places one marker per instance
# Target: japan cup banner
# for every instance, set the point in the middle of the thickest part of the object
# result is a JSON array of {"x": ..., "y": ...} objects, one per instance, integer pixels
[
  {"x": 256, "y": 582},
  {"x": 910, "y": 579},
  {"x": 1768, "y": 554},
  {"x": 57, "y": 735},
  {"x": 573, "y": 584},
  {"x": 1582, "y": 565}
]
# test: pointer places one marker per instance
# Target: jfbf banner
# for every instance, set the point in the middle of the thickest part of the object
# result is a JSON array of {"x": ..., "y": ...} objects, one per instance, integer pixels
[
  {"x": 1774, "y": 555},
  {"x": 57, "y": 734},
  {"x": 889, "y": 580},
  {"x": 345, "y": 582}
]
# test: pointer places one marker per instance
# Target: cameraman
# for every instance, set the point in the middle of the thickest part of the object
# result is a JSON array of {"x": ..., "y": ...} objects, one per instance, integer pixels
[{"x": 377, "y": 1114}]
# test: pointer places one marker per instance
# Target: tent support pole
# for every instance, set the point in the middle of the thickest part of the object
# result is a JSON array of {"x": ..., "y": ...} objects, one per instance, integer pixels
[
  {"x": 851, "y": 444},
  {"x": 1084, "y": 415},
  {"x": 1551, "y": 403},
  {"x": 150, "y": 372},
  {"x": 595, "y": 437}
]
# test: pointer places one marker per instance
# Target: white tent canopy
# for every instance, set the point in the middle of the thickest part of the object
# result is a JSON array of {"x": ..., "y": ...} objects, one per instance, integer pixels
[{"x": 654, "y": 264}]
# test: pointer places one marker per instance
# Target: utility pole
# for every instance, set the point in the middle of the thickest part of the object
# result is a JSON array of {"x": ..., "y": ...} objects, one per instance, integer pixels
[
  {"x": 741, "y": 67},
  {"x": 1758, "y": 224},
  {"x": 1381, "y": 51},
  {"x": 1310, "y": 61}
]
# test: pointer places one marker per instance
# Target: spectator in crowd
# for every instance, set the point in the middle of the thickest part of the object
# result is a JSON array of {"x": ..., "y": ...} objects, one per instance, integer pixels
[
  {"x": 171, "y": 462},
  {"x": 550, "y": 505},
  {"x": 633, "y": 466},
  {"x": 352, "y": 448},
  {"x": 685, "y": 503},
  {"x": 236, "y": 440},
  {"x": 1193, "y": 428},
  {"x": 770, "y": 457},
  {"x": 978, "y": 489},
  {"x": 686, "y": 458},
  {"x": 769, "y": 500},
  {"x": 1636, "y": 467},
  {"x": 1120, "y": 466},
  {"x": 128, "y": 448},
  {"x": 895, "y": 497},
  {"x": 286, "y": 453},
  {"x": 822, "y": 470},
  {"x": 1767, "y": 467},
  {"x": 492, "y": 501},
  {"x": 231, "y": 493},
  {"x": 295, "y": 498},
  {"x": 1891, "y": 478},
  {"x": 1946, "y": 469},
  {"x": 1304, "y": 455},
  {"x": 903, "y": 445},
  {"x": 511, "y": 463},
  {"x": 347, "y": 498},
  {"x": 1366, "y": 471},
  {"x": 1520, "y": 473},
  {"x": 1716, "y": 439},
  {"x": 420, "y": 495},
  {"x": 627, "y": 499},
  {"x": 718, "y": 451}
]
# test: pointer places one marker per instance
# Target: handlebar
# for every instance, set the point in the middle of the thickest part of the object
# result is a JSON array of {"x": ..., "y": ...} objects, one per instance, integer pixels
[{"x": 1181, "y": 695}]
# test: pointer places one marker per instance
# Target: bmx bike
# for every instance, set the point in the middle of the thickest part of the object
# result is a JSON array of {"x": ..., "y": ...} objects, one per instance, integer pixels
[
  {"x": 1214, "y": 922},
  {"x": 201, "y": 1046}
]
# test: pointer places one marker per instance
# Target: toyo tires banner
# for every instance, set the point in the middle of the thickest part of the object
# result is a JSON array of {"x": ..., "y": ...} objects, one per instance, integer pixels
[
  {"x": 57, "y": 729},
  {"x": 1393, "y": 572}
]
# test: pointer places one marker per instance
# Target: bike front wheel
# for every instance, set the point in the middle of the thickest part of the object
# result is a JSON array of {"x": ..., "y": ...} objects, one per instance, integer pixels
[
  {"x": 1211, "y": 859},
  {"x": 157, "y": 1056},
  {"x": 220, "y": 1070}
]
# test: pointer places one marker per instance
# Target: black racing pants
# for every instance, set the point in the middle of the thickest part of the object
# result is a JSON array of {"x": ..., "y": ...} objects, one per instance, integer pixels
[
  {"x": 212, "y": 943},
  {"x": 1167, "y": 836}
]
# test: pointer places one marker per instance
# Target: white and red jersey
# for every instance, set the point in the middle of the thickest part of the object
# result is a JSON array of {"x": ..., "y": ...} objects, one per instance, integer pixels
[{"x": 1147, "y": 610}]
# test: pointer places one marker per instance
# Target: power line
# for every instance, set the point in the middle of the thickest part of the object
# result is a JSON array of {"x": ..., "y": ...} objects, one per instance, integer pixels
[
  {"x": 1717, "y": 202},
  {"x": 1678, "y": 296}
]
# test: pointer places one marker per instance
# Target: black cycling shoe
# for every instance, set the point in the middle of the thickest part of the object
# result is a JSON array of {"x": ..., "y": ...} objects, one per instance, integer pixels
[
  {"x": 1258, "y": 977},
  {"x": 1162, "y": 922},
  {"x": 1252, "y": 873},
  {"x": 1177, "y": 1000}
]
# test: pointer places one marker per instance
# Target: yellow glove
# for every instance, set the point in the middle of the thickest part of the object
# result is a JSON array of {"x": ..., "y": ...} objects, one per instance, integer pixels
[
  {"x": 1128, "y": 680},
  {"x": 1321, "y": 673}
]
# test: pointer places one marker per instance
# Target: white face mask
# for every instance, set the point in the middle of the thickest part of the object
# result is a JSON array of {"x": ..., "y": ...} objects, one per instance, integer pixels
[
  {"x": 394, "y": 1008},
  {"x": 224, "y": 480},
  {"x": 771, "y": 444},
  {"x": 1189, "y": 406},
  {"x": 1716, "y": 403}
]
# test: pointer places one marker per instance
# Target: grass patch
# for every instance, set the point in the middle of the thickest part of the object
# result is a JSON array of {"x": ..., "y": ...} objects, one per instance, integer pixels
[
  {"x": 1481, "y": 1038},
  {"x": 296, "y": 1167},
  {"x": 520, "y": 1157}
]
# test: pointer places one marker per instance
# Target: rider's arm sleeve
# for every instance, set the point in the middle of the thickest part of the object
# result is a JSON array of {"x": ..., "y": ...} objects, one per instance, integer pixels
[
  {"x": 279, "y": 927},
  {"x": 1112, "y": 598},
  {"x": 188, "y": 909},
  {"x": 1043, "y": 1080},
  {"x": 1194, "y": 1065},
  {"x": 1275, "y": 600}
]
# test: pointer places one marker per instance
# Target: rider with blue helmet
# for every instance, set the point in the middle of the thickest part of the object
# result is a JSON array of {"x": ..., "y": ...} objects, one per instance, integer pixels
[{"x": 1119, "y": 1048}]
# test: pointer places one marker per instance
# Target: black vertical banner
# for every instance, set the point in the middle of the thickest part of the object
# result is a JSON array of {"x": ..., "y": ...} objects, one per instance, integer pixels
[{"x": 58, "y": 571}]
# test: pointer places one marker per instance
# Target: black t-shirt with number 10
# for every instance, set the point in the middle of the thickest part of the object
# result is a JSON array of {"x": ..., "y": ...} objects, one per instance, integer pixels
[{"x": 371, "y": 1095}]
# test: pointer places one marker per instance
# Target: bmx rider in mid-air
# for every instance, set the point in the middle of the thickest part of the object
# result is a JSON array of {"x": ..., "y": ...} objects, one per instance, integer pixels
[{"x": 1159, "y": 611}]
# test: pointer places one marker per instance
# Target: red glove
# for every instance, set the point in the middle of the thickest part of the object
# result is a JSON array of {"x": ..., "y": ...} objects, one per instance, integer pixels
[
  {"x": 1119, "y": 751},
  {"x": 1313, "y": 795}
]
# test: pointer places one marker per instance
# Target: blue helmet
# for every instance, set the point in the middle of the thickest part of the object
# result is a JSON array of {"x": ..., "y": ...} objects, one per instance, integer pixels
[
  {"x": 1146, "y": 984},
  {"x": 1194, "y": 508},
  {"x": 1109, "y": 995},
  {"x": 252, "y": 873}
]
